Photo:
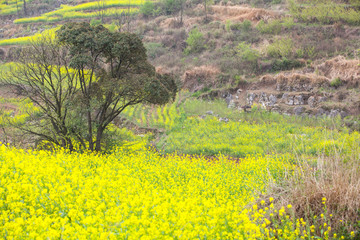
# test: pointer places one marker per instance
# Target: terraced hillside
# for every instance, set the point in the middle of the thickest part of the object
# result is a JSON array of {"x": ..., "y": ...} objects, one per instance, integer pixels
[{"x": 261, "y": 140}]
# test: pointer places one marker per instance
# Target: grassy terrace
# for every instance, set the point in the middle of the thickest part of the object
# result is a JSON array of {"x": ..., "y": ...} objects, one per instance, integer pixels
[
  {"x": 93, "y": 9},
  {"x": 9, "y": 7}
]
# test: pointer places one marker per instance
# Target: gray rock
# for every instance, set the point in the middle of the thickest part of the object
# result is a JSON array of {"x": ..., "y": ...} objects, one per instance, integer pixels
[
  {"x": 278, "y": 87},
  {"x": 228, "y": 98},
  {"x": 224, "y": 119},
  {"x": 334, "y": 112},
  {"x": 320, "y": 111},
  {"x": 312, "y": 101},
  {"x": 275, "y": 109},
  {"x": 298, "y": 110},
  {"x": 272, "y": 100},
  {"x": 284, "y": 97},
  {"x": 209, "y": 113},
  {"x": 250, "y": 98},
  {"x": 322, "y": 99},
  {"x": 231, "y": 104},
  {"x": 343, "y": 114},
  {"x": 263, "y": 97},
  {"x": 290, "y": 100},
  {"x": 298, "y": 100}
]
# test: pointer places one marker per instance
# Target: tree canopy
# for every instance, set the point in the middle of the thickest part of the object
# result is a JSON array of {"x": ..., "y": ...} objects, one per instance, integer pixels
[{"x": 84, "y": 79}]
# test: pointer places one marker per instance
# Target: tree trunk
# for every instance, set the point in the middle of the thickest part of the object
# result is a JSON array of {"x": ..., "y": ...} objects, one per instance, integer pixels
[
  {"x": 205, "y": 10},
  {"x": 99, "y": 136},
  {"x": 25, "y": 12},
  {"x": 181, "y": 12},
  {"x": 91, "y": 142}
]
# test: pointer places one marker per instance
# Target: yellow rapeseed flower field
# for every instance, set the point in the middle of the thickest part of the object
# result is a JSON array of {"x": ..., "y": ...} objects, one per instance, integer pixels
[{"x": 133, "y": 193}]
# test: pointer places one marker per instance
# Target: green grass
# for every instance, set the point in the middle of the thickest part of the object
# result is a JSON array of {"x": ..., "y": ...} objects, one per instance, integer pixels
[
  {"x": 9, "y": 7},
  {"x": 40, "y": 35},
  {"x": 27, "y": 40},
  {"x": 325, "y": 12},
  {"x": 258, "y": 132},
  {"x": 107, "y": 9}
]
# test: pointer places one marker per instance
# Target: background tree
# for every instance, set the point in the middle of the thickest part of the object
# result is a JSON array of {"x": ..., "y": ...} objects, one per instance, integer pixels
[
  {"x": 113, "y": 72},
  {"x": 42, "y": 74},
  {"x": 101, "y": 9},
  {"x": 207, "y": 3},
  {"x": 24, "y": 6},
  {"x": 85, "y": 80}
]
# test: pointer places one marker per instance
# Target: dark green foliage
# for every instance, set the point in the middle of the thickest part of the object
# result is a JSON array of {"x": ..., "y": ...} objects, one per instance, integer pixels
[
  {"x": 285, "y": 64},
  {"x": 114, "y": 73},
  {"x": 147, "y": 9},
  {"x": 336, "y": 82},
  {"x": 244, "y": 26},
  {"x": 169, "y": 7},
  {"x": 84, "y": 80},
  {"x": 154, "y": 49}
]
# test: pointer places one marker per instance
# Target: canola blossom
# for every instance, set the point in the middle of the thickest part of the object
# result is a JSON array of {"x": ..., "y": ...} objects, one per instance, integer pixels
[{"x": 133, "y": 193}]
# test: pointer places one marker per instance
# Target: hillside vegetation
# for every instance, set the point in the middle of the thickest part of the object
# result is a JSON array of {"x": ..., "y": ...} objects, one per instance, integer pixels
[{"x": 261, "y": 141}]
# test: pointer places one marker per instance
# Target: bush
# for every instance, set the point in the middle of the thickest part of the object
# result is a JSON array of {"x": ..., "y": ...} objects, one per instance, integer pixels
[
  {"x": 95, "y": 22},
  {"x": 336, "y": 82},
  {"x": 169, "y": 7},
  {"x": 147, "y": 9},
  {"x": 272, "y": 27},
  {"x": 244, "y": 26},
  {"x": 195, "y": 42},
  {"x": 154, "y": 49},
  {"x": 325, "y": 12},
  {"x": 246, "y": 53},
  {"x": 285, "y": 64},
  {"x": 281, "y": 47}
]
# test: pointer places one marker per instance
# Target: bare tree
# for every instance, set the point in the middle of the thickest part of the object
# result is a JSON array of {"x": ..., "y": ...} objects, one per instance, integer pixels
[
  {"x": 83, "y": 81},
  {"x": 101, "y": 4},
  {"x": 24, "y": 6},
  {"x": 42, "y": 74}
]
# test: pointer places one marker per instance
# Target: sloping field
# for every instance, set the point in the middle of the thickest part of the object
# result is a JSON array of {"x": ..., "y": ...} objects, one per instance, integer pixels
[
  {"x": 105, "y": 8},
  {"x": 132, "y": 195}
]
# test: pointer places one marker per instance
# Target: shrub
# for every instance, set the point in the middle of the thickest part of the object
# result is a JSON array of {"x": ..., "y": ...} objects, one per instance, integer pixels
[
  {"x": 95, "y": 22},
  {"x": 326, "y": 11},
  {"x": 281, "y": 47},
  {"x": 154, "y": 49},
  {"x": 285, "y": 64},
  {"x": 336, "y": 82},
  {"x": 272, "y": 27},
  {"x": 169, "y": 7},
  {"x": 195, "y": 42},
  {"x": 246, "y": 53},
  {"x": 147, "y": 9},
  {"x": 244, "y": 26},
  {"x": 288, "y": 22}
]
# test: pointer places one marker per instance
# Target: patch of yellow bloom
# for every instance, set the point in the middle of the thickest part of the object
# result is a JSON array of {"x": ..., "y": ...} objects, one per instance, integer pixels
[{"x": 134, "y": 194}]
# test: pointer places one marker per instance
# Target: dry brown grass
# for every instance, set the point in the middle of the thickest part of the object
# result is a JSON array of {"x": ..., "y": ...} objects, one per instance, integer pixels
[
  {"x": 336, "y": 179},
  {"x": 241, "y": 13},
  {"x": 174, "y": 22},
  {"x": 291, "y": 79},
  {"x": 198, "y": 77},
  {"x": 340, "y": 67}
]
